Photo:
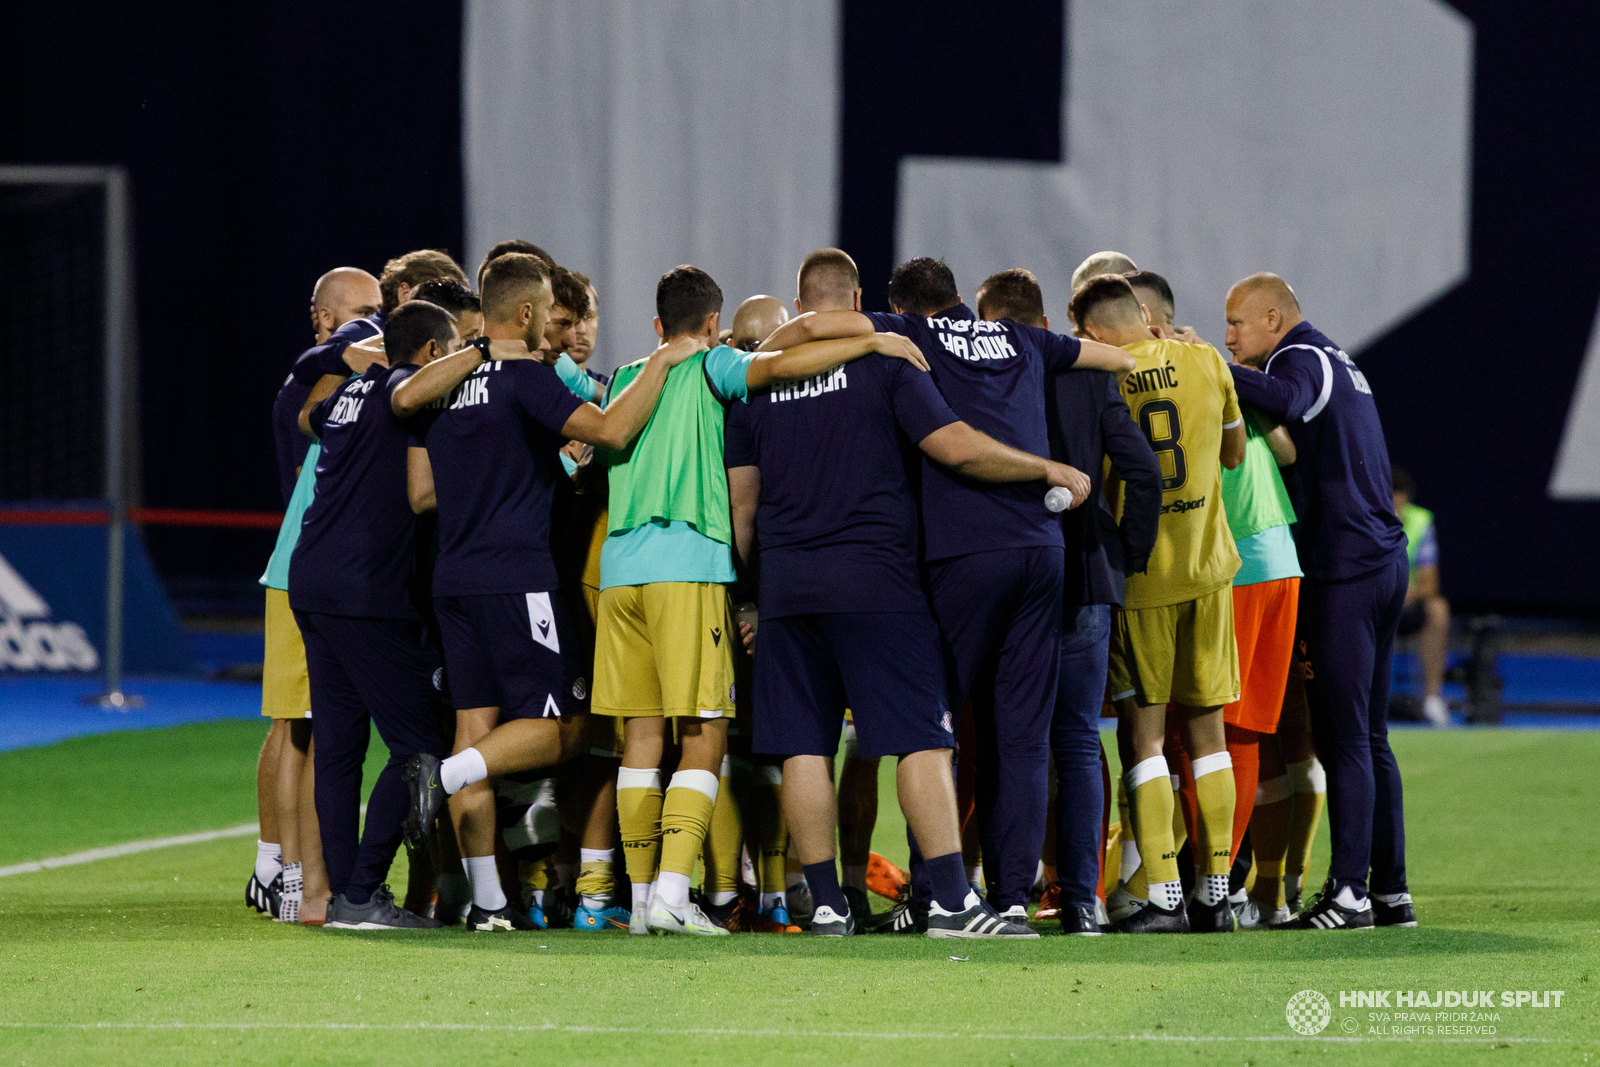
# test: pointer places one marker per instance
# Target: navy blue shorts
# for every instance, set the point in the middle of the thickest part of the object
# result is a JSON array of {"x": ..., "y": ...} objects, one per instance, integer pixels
[
  {"x": 885, "y": 667},
  {"x": 504, "y": 650}
]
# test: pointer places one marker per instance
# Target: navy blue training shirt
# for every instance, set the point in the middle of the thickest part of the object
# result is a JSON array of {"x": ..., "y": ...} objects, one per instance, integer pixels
[
  {"x": 837, "y": 521},
  {"x": 992, "y": 375},
  {"x": 493, "y": 446},
  {"x": 328, "y": 357},
  {"x": 1347, "y": 524},
  {"x": 357, "y": 549},
  {"x": 289, "y": 445}
]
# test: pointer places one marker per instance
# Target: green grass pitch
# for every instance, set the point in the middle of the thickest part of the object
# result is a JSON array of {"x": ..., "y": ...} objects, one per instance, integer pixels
[{"x": 153, "y": 958}]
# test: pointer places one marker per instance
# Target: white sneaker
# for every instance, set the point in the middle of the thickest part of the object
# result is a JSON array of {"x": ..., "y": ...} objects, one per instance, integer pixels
[
  {"x": 1121, "y": 903},
  {"x": 1017, "y": 913},
  {"x": 685, "y": 919},
  {"x": 1436, "y": 711},
  {"x": 639, "y": 921}
]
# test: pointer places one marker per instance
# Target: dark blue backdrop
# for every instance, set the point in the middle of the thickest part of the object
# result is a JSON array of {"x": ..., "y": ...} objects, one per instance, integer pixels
[{"x": 268, "y": 144}]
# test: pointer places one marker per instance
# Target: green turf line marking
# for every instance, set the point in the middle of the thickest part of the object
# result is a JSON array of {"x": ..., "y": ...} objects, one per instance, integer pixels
[
  {"x": 726, "y": 1032},
  {"x": 129, "y": 849}
]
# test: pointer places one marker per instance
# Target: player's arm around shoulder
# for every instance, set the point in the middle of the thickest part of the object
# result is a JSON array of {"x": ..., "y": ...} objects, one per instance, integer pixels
[
  {"x": 817, "y": 326},
  {"x": 626, "y": 413},
  {"x": 819, "y": 357},
  {"x": 440, "y": 376},
  {"x": 1092, "y": 355}
]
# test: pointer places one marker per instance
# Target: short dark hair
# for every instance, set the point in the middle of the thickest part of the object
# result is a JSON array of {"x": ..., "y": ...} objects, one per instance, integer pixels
[
  {"x": 1403, "y": 482},
  {"x": 829, "y": 276},
  {"x": 685, "y": 295},
  {"x": 571, "y": 289},
  {"x": 514, "y": 245},
  {"x": 1011, "y": 294},
  {"x": 414, "y": 268},
  {"x": 1103, "y": 289},
  {"x": 506, "y": 278},
  {"x": 449, "y": 294},
  {"x": 411, "y": 326},
  {"x": 1149, "y": 279},
  {"x": 923, "y": 286}
]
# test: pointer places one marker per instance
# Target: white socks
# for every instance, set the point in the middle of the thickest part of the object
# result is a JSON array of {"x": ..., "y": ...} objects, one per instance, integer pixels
[
  {"x": 673, "y": 887},
  {"x": 269, "y": 861},
  {"x": 642, "y": 892},
  {"x": 293, "y": 885},
  {"x": 485, "y": 879},
  {"x": 462, "y": 769},
  {"x": 1212, "y": 890},
  {"x": 1169, "y": 895}
]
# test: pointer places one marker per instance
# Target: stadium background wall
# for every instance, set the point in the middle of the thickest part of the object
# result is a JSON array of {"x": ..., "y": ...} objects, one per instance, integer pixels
[{"x": 266, "y": 145}]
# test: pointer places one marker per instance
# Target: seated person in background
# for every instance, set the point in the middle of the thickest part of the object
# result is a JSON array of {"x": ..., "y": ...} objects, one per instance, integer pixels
[{"x": 1427, "y": 612}]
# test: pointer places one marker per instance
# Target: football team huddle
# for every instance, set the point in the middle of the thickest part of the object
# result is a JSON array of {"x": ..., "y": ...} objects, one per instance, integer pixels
[{"x": 651, "y": 607}]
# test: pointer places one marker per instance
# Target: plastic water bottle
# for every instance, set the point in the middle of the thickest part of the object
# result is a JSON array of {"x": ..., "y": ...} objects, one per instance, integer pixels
[{"x": 1058, "y": 499}]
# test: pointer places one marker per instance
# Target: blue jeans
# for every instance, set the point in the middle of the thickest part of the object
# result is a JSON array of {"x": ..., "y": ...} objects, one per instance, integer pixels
[{"x": 1075, "y": 744}]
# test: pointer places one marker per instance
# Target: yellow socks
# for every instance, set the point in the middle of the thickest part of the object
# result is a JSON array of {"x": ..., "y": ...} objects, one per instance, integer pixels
[
  {"x": 639, "y": 818},
  {"x": 1308, "y": 784},
  {"x": 723, "y": 844},
  {"x": 1215, "y": 799},
  {"x": 1150, "y": 797},
  {"x": 1269, "y": 840},
  {"x": 597, "y": 880},
  {"x": 685, "y": 818},
  {"x": 771, "y": 836}
]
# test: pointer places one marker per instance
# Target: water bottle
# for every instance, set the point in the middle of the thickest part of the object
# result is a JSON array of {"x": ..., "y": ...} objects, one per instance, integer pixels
[{"x": 1058, "y": 499}]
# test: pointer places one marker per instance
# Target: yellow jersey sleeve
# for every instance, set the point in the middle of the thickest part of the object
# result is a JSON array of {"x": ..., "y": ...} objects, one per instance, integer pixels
[{"x": 1231, "y": 415}]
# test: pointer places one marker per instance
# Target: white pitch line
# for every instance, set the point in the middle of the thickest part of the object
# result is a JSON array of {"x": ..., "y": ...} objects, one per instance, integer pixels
[
  {"x": 129, "y": 849},
  {"x": 722, "y": 1032}
]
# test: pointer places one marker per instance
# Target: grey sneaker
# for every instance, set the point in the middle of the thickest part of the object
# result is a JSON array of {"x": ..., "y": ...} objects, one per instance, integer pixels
[
  {"x": 976, "y": 919},
  {"x": 379, "y": 913},
  {"x": 825, "y": 922}
]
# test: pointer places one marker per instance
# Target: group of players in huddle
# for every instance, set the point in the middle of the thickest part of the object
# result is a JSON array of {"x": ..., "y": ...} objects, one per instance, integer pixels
[{"x": 524, "y": 575}]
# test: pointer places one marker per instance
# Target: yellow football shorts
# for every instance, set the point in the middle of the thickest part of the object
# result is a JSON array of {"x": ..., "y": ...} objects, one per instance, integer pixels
[
  {"x": 285, "y": 685},
  {"x": 1178, "y": 652},
  {"x": 665, "y": 648}
]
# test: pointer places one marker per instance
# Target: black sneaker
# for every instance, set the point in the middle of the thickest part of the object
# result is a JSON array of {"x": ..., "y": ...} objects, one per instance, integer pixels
[
  {"x": 860, "y": 905},
  {"x": 267, "y": 899},
  {"x": 1341, "y": 911},
  {"x": 1078, "y": 919},
  {"x": 1399, "y": 912},
  {"x": 719, "y": 914},
  {"x": 904, "y": 918},
  {"x": 379, "y": 913},
  {"x": 1210, "y": 918},
  {"x": 976, "y": 920},
  {"x": 502, "y": 919},
  {"x": 1154, "y": 919},
  {"x": 421, "y": 773},
  {"x": 825, "y": 922}
]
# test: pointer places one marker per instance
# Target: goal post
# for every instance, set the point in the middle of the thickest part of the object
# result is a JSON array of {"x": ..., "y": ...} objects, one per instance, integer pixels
[{"x": 119, "y": 354}]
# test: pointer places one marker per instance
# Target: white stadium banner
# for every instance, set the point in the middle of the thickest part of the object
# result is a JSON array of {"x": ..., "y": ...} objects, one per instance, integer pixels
[
  {"x": 1327, "y": 142},
  {"x": 628, "y": 136}
]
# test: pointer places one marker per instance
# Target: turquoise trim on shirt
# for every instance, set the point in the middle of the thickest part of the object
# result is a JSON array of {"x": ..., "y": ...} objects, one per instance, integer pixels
[
  {"x": 573, "y": 377},
  {"x": 276, "y": 575},
  {"x": 1267, "y": 556},
  {"x": 729, "y": 370},
  {"x": 663, "y": 552}
]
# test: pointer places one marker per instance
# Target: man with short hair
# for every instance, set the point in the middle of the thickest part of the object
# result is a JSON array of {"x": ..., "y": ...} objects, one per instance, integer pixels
[
  {"x": 1099, "y": 263},
  {"x": 994, "y": 552},
  {"x": 520, "y": 696},
  {"x": 350, "y": 579},
  {"x": 514, "y": 244},
  {"x": 290, "y": 848},
  {"x": 1173, "y": 642},
  {"x": 1352, "y": 548},
  {"x": 1089, "y": 423},
  {"x": 665, "y": 635}
]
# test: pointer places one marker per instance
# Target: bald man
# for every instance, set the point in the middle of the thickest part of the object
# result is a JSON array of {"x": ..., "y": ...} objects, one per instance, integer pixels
[
  {"x": 1353, "y": 550},
  {"x": 1101, "y": 263},
  {"x": 755, "y": 320},
  {"x": 342, "y": 295}
]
